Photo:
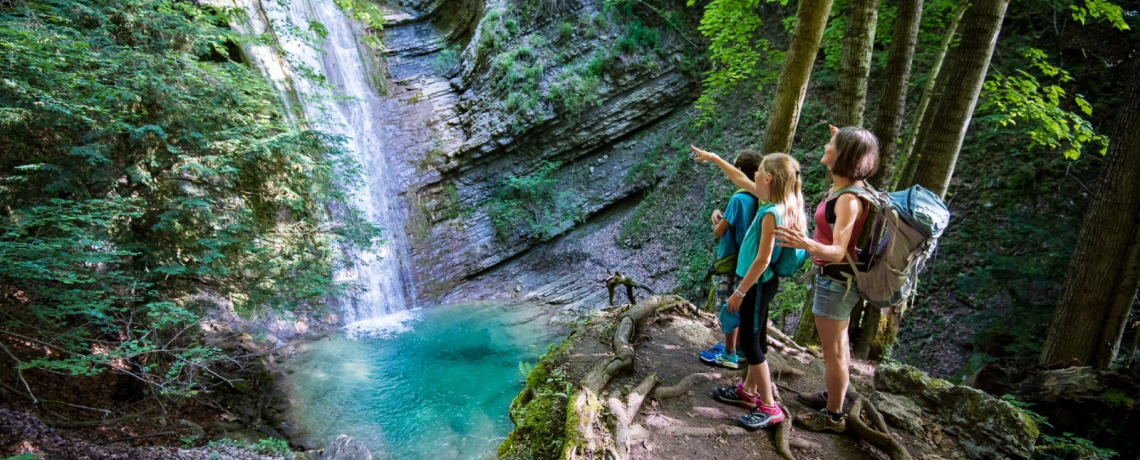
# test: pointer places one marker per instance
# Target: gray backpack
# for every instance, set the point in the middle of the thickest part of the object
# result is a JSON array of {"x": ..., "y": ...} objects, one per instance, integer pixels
[{"x": 903, "y": 236}]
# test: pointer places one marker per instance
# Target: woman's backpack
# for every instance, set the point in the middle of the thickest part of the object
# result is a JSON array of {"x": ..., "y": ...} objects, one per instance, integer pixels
[{"x": 903, "y": 236}]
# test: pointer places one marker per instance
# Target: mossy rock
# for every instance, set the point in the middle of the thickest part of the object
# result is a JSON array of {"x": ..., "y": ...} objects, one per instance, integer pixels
[{"x": 986, "y": 427}]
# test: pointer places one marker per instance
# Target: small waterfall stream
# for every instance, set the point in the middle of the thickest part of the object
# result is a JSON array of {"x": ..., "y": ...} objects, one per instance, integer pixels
[{"x": 347, "y": 104}]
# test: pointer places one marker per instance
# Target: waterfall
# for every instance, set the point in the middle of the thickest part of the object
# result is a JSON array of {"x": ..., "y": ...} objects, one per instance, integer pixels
[{"x": 347, "y": 104}]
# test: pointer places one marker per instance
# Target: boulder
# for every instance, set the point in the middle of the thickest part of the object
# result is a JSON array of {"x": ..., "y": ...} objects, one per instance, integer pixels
[
  {"x": 346, "y": 448},
  {"x": 900, "y": 411},
  {"x": 986, "y": 427}
]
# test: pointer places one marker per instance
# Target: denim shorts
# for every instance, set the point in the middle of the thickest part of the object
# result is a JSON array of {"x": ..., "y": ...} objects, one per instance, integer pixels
[{"x": 832, "y": 299}]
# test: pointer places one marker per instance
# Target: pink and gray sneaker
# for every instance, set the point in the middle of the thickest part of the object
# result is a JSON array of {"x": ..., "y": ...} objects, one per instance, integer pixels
[
  {"x": 738, "y": 396},
  {"x": 763, "y": 416}
]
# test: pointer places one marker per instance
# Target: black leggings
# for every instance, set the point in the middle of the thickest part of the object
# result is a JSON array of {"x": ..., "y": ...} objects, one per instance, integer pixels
[{"x": 755, "y": 344}]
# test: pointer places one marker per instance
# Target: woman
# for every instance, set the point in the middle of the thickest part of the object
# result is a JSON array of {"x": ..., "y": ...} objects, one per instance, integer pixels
[{"x": 851, "y": 156}]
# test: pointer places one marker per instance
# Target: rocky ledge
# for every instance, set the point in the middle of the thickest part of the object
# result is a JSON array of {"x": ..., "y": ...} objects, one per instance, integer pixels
[{"x": 626, "y": 384}]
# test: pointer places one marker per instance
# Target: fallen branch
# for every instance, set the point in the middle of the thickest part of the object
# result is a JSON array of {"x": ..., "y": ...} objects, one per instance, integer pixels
[
  {"x": 50, "y": 401},
  {"x": 97, "y": 423},
  {"x": 19, "y": 373},
  {"x": 132, "y": 438},
  {"x": 684, "y": 385}
]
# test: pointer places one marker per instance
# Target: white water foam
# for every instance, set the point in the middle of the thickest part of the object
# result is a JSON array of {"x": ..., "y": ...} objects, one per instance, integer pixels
[
  {"x": 383, "y": 327},
  {"x": 343, "y": 101}
]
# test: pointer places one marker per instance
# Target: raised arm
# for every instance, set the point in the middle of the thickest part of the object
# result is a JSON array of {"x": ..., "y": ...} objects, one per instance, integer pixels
[{"x": 735, "y": 175}]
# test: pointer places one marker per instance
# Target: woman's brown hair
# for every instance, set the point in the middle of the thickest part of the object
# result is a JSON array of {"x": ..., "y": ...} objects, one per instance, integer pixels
[{"x": 856, "y": 153}]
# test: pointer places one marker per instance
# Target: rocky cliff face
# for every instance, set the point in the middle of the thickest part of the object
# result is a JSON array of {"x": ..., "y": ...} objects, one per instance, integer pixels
[{"x": 559, "y": 100}]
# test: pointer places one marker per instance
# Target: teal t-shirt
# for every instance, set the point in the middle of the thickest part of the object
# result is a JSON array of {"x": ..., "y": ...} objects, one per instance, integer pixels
[
  {"x": 739, "y": 212},
  {"x": 751, "y": 243}
]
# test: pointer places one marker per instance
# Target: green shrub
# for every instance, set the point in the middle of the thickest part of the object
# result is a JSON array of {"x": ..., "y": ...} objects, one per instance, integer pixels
[
  {"x": 533, "y": 205},
  {"x": 576, "y": 91},
  {"x": 445, "y": 60}
]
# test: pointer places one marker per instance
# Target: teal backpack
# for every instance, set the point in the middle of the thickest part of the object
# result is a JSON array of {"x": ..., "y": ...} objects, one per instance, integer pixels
[{"x": 786, "y": 262}]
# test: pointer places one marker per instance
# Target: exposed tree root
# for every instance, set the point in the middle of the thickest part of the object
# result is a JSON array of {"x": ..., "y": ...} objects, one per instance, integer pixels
[
  {"x": 624, "y": 414},
  {"x": 586, "y": 430},
  {"x": 878, "y": 434},
  {"x": 804, "y": 444},
  {"x": 684, "y": 385},
  {"x": 783, "y": 433}
]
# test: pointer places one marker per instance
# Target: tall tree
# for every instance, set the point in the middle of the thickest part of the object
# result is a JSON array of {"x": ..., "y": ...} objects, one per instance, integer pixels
[
  {"x": 811, "y": 17},
  {"x": 897, "y": 75},
  {"x": 855, "y": 62},
  {"x": 956, "y": 94},
  {"x": 909, "y": 158},
  {"x": 875, "y": 325},
  {"x": 1104, "y": 273}
]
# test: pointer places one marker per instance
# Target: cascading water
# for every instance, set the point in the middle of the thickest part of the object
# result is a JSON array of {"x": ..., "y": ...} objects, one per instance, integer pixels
[
  {"x": 404, "y": 385},
  {"x": 346, "y": 103}
]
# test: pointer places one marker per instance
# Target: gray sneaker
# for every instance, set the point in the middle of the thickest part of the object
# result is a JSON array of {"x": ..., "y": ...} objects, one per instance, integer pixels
[{"x": 821, "y": 421}]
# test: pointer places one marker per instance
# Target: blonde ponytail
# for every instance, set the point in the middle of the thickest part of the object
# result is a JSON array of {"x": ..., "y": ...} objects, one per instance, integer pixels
[{"x": 786, "y": 188}]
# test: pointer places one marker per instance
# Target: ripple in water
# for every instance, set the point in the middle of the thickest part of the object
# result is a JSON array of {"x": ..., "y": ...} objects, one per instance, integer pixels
[{"x": 423, "y": 384}]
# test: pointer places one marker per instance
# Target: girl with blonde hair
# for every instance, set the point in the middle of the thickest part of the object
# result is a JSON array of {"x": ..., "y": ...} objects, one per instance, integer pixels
[{"x": 777, "y": 182}]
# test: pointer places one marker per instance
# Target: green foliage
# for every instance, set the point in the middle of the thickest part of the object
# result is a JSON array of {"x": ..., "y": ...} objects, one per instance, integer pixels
[
  {"x": 533, "y": 205},
  {"x": 143, "y": 175},
  {"x": 446, "y": 60},
  {"x": 565, "y": 31},
  {"x": 24, "y": 456},
  {"x": 1019, "y": 96},
  {"x": 576, "y": 91},
  {"x": 265, "y": 446},
  {"x": 368, "y": 13},
  {"x": 735, "y": 48},
  {"x": 1100, "y": 9},
  {"x": 495, "y": 30},
  {"x": 638, "y": 36},
  {"x": 539, "y": 411},
  {"x": 517, "y": 72},
  {"x": 1069, "y": 446},
  {"x": 789, "y": 301},
  {"x": 365, "y": 11}
]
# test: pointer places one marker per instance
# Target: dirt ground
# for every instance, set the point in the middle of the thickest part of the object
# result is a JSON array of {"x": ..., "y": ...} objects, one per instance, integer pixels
[{"x": 668, "y": 345}]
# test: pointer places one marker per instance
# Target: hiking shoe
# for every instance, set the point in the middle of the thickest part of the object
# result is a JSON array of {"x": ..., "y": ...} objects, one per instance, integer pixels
[
  {"x": 814, "y": 400},
  {"x": 760, "y": 418},
  {"x": 821, "y": 421},
  {"x": 709, "y": 356},
  {"x": 730, "y": 362},
  {"x": 736, "y": 396}
]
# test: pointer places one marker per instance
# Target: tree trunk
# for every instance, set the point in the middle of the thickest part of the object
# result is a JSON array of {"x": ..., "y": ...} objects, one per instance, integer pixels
[
  {"x": 1105, "y": 270},
  {"x": 855, "y": 63},
  {"x": 957, "y": 93},
  {"x": 893, "y": 100},
  {"x": 880, "y": 331},
  {"x": 806, "y": 333},
  {"x": 909, "y": 157},
  {"x": 811, "y": 17}
]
